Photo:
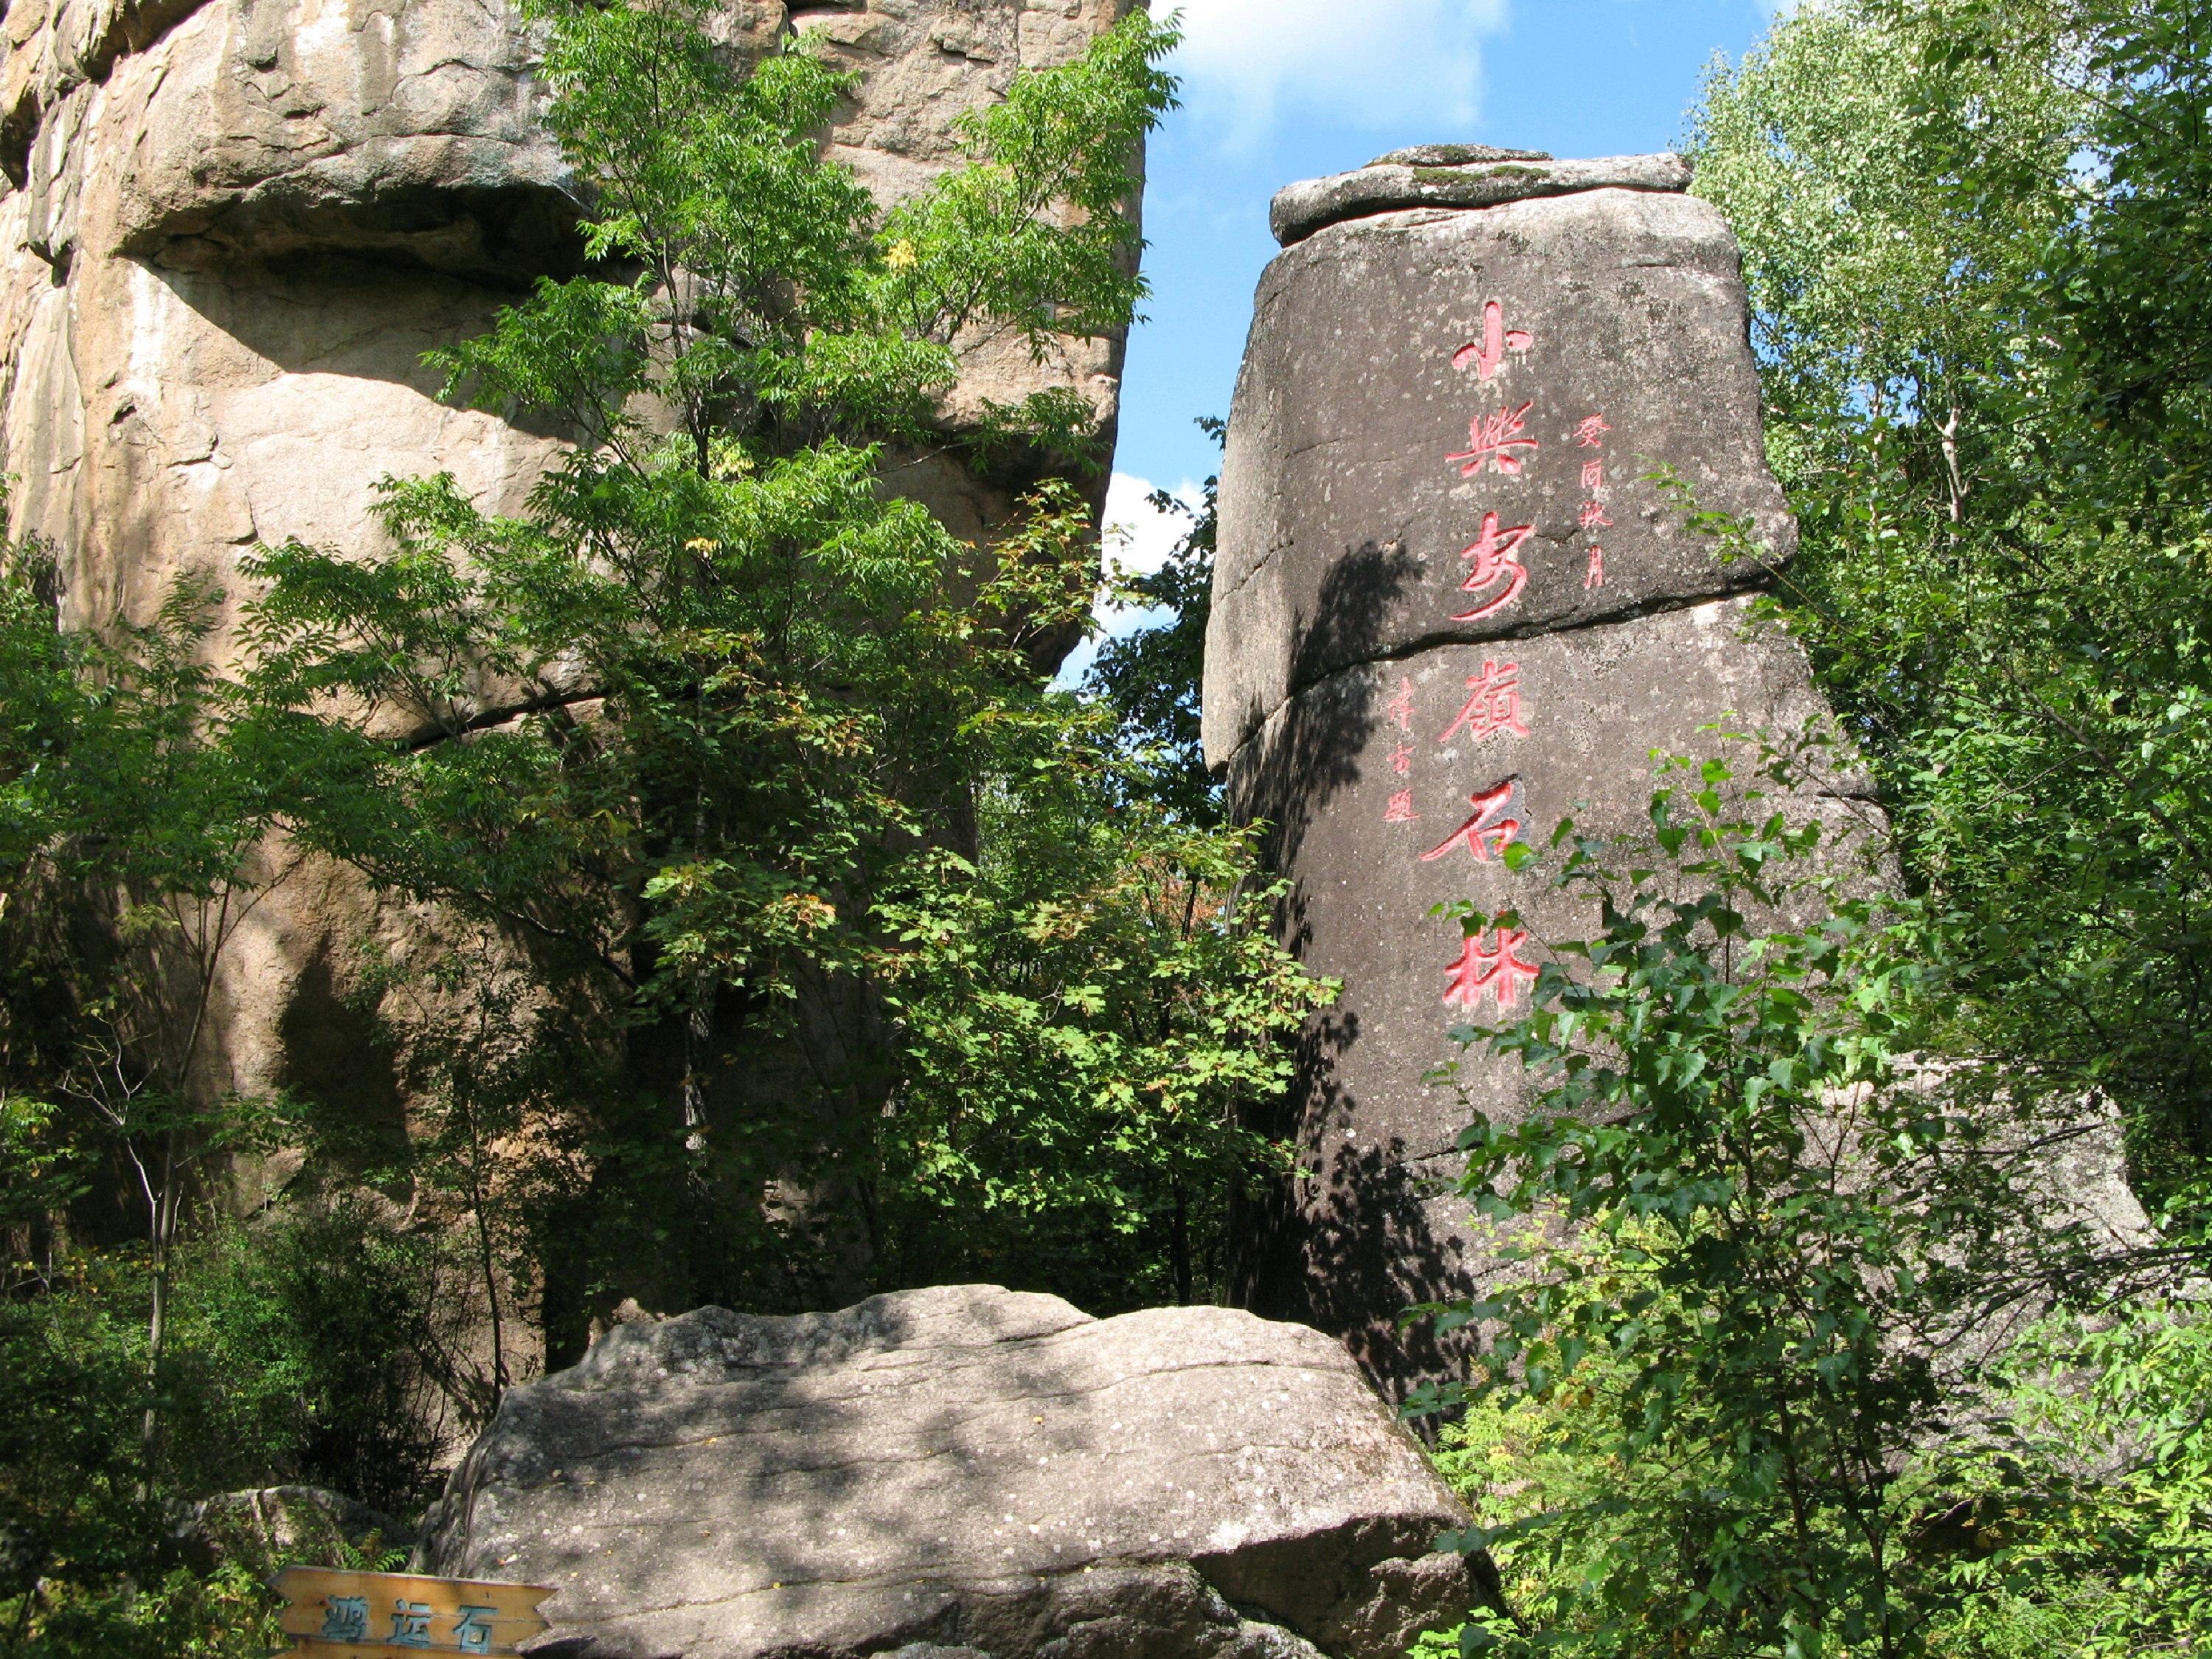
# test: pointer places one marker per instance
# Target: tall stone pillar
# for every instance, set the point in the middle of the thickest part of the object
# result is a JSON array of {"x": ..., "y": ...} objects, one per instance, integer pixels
[{"x": 1451, "y": 607}]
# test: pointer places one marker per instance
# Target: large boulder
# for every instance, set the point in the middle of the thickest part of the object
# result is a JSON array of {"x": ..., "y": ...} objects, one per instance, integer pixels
[{"x": 964, "y": 1466}]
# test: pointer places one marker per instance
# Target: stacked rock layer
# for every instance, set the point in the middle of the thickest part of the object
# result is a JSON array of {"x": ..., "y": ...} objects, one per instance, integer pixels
[{"x": 1454, "y": 604}]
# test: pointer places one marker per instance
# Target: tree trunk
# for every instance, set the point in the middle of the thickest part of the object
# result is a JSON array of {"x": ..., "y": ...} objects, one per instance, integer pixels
[{"x": 1179, "y": 1246}]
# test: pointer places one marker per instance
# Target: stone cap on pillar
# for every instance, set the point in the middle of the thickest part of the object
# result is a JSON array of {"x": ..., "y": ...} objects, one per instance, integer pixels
[{"x": 1460, "y": 176}]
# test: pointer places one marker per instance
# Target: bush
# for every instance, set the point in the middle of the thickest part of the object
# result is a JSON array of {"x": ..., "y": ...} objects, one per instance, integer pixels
[
  {"x": 310, "y": 1349},
  {"x": 2078, "y": 1526},
  {"x": 304, "y": 1349}
]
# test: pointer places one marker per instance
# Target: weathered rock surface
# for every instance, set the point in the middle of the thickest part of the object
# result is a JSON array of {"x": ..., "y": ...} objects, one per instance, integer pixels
[
  {"x": 1346, "y": 507},
  {"x": 1376, "y": 1228},
  {"x": 1451, "y": 607},
  {"x": 230, "y": 228},
  {"x": 961, "y": 1467},
  {"x": 1459, "y": 176}
]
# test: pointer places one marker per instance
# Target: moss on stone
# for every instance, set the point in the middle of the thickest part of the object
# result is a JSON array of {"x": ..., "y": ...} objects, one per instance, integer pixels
[{"x": 1460, "y": 175}]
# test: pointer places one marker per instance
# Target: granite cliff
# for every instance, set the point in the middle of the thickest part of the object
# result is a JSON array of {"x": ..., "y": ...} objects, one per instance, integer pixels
[{"x": 229, "y": 232}]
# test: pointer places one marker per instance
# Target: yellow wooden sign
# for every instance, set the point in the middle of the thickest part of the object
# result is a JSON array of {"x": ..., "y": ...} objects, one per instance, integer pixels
[{"x": 397, "y": 1615}]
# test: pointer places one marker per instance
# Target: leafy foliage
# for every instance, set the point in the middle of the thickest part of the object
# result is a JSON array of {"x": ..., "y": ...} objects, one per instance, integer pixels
[
  {"x": 1086, "y": 1016},
  {"x": 1786, "y": 1255},
  {"x": 1817, "y": 1350},
  {"x": 1152, "y": 675},
  {"x": 2082, "y": 1534},
  {"x": 307, "y": 1353},
  {"x": 251, "y": 1391},
  {"x": 2001, "y": 590}
]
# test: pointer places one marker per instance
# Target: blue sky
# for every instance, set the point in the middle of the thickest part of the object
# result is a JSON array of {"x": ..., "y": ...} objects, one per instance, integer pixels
[{"x": 1276, "y": 90}]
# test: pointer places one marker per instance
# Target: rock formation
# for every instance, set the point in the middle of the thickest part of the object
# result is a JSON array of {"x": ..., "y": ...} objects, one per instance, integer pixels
[
  {"x": 231, "y": 228},
  {"x": 1452, "y": 607},
  {"x": 965, "y": 1467}
]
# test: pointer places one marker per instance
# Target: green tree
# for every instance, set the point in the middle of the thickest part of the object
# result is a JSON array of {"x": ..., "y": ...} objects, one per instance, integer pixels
[
  {"x": 2002, "y": 591},
  {"x": 773, "y": 933},
  {"x": 2122, "y": 276},
  {"x": 1087, "y": 1012},
  {"x": 140, "y": 1360},
  {"x": 1760, "y": 1364},
  {"x": 1153, "y": 675},
  {"x": 135, "y": 793},
  {"x": 738, "y": 766}
]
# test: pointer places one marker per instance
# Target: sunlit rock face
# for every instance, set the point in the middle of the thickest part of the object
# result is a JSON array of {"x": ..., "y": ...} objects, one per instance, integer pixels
[
  {"x": 231, "y": 229},
  {"x": 1453, "y": 606},
  {"x": 966, "y": 1467}
]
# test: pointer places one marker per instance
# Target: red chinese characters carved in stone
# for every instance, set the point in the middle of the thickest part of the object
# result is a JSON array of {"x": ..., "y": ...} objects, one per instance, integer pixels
[
  {"x": 1483, "y": 840},
  {"x": 1488, "y": 355},
  {"x": 1590, "y": 432},
  {"x": 1401, "y": 809},
  {"x": 1593, "y": 475},
  {"x": 1494, "y": 708},
  {"x": 1495, "y": 438},
  {"x": 1401, "y": 706},
  {"x": 1595, "y": 576},
  {"x": 1401, "y": 760},
  {"x": 1593, "y": 514},
  {"x": 1497, "y": 971},
  {"x": 1497, "y": 554}
]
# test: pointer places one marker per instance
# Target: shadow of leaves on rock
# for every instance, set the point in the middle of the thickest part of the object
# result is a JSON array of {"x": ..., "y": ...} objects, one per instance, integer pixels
[
  {"x": 1349, "y": 622},
  {"x": 1349, "y": 1241},
  {"x": 963, "y": 1465}
]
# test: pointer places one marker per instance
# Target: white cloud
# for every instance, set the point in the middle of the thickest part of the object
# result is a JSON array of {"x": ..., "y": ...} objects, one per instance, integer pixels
[
  {"x": 1139, "y": 535},
  {"x": 1246, "y": 63},
  {"x": 1139, "y": 539}
]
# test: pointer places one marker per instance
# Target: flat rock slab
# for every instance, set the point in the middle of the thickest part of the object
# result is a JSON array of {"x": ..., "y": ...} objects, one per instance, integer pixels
[
  {"x": 963, "y": 1465},
  {"x": 1470, "y": 176}
]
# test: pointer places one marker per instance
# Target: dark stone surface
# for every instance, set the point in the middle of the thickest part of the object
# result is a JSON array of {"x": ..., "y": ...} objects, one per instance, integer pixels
[
  {"x": 1345, "y": 519},
  {"x": 1376, "y": 1229},
  {"x": 960, "y": 1468}
]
